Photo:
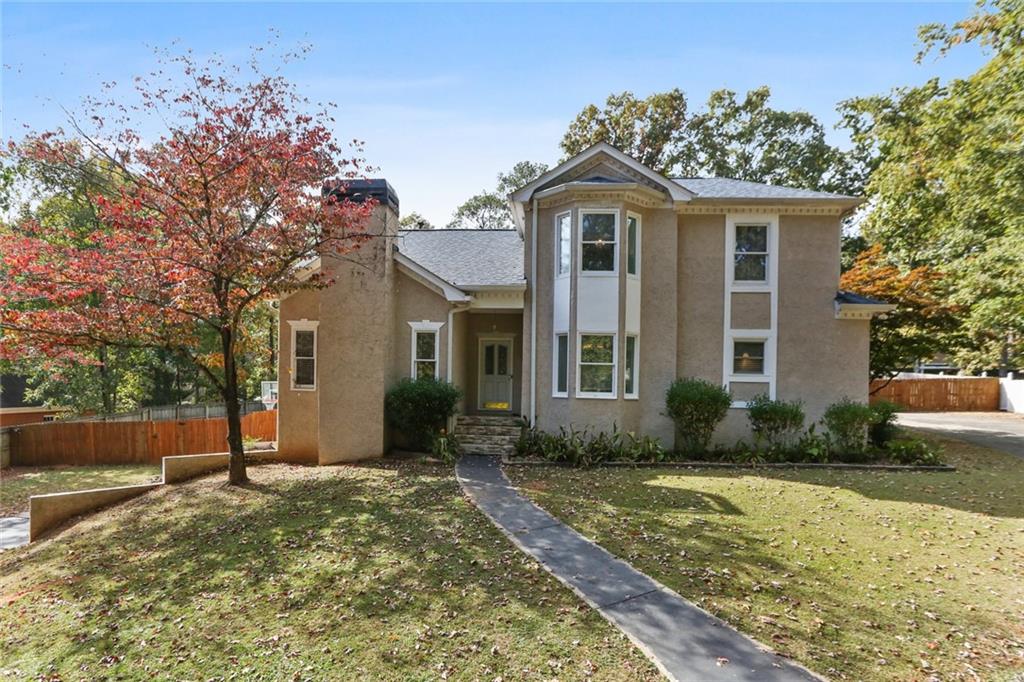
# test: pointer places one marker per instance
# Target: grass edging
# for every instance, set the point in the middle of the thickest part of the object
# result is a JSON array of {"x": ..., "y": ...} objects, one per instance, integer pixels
[{"x": 742, "y": 465}]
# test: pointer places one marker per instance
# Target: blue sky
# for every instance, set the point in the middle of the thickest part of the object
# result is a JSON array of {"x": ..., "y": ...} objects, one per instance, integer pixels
[{"x": 446, "y": 96}]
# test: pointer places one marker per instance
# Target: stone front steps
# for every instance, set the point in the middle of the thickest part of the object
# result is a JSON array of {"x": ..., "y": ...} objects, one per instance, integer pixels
[{"x": 487, "y": 434}]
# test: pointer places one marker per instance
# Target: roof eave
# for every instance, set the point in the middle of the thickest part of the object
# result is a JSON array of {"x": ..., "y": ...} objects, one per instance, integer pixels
[{"x": 451, "y": 293}]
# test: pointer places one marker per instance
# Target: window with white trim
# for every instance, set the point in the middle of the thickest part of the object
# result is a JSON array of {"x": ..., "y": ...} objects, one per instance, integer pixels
[
  {"x": 631, "y": 379},
  {"x": 303, "y": 356},
  {"x": 748, "y": 357},
  {"x": 563, "y": 244},
  {"x": 596, "y": 368},
  {"x": 750, "y": 256},
  {"x": 425, "y": 349},
  {"x": 561, "y": 366},
  {"x": 598, "y": 237},
  {"x": 633, "y": 244}
]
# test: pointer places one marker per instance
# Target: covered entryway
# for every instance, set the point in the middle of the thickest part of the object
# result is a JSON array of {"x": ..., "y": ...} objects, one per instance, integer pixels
[
  {"x": 495, "y": 374},
  {"x": 487, "y": 361}
]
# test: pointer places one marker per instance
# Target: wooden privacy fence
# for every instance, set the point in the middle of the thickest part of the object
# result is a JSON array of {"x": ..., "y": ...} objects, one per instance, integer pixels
[
  {"x": 953, "y": 394},
  {"x": 84, "y": 443}
]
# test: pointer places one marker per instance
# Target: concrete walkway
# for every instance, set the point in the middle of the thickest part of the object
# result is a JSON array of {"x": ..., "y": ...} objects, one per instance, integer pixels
[
  {"x": 13, "y": 531},
  {"x": 997, "y": 430},
  {"x": 684, "y": 641}
]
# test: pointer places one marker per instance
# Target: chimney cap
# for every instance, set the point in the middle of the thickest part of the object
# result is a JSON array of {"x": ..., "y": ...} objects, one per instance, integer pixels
[{"x": 363, "y": 189}]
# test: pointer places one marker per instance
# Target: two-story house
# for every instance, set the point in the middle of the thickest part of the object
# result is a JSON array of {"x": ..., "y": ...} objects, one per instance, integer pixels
[{"x": 616, "y": 281}]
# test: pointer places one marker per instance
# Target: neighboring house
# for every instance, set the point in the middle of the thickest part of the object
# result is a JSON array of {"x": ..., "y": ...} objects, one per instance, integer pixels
[
  {"x": 15, "y": 410},
  {"x": 616, "y": 281}
]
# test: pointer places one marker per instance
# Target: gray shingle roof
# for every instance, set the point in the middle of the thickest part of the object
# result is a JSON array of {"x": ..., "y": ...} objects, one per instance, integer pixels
[
  {"x": 727, "y": 188},
  {"x": 467, "y": 258}
]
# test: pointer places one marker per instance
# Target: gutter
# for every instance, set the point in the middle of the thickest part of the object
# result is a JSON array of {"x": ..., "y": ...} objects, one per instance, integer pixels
[{"x": 533, "y": 315}]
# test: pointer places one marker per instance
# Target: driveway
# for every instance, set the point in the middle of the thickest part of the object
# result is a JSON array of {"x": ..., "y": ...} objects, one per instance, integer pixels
[
  {"x": 998, "y": 430},
  {"x": 13, "y": 531}
]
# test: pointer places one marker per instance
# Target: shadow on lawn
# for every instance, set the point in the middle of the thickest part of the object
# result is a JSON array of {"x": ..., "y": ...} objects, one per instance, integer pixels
[{"x": 337, "y": 541}]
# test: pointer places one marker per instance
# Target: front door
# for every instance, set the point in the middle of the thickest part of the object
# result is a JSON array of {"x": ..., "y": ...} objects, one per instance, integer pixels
[{"x": 496, "y": 375}]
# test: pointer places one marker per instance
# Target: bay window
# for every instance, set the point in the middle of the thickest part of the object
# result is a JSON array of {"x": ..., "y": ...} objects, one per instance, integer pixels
[
  {"x": 598, "y": 233},
  {"x": 563, "y": 244},
  {"x": 596, "y": 369}
]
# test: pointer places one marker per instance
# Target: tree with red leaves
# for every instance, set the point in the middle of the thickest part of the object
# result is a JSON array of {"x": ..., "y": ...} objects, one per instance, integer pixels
[{"x": 197, "y": 224}]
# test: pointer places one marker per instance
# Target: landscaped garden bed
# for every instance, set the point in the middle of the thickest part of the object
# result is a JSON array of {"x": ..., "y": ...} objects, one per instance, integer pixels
[
  {"x": 312, "y": 573},
  {"x": 849, "y": 435},
  {"x": 860, "y": 575}
]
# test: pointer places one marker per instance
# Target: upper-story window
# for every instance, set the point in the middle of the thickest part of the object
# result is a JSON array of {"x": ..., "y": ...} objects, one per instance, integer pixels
[
  {"x": 751, "y": 256},
  {"x": 598, "y": 232},
  {"x": 633, "y": 244},
  {"x": 563, "y": 244}
]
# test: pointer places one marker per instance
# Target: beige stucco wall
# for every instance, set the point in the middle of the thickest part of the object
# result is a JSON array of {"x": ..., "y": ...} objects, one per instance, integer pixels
[
  {"x": 820, "y": 359},
  {"x": 297, "y": 423},
  {"x": 414, "y": 302},
  {"x": 356, "y": 315},
  {"x": 751, "y": 311}
]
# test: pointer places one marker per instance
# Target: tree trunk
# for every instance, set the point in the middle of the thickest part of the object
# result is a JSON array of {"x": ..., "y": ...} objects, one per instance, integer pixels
[{"x": 236, "y": 461}]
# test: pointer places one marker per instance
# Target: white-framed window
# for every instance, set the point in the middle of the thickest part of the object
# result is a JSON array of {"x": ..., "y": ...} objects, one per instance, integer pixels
[
  {"x": 599, "y": 229},
  {"x": 750, "y": 252},
  {"x": 633, "y": 245},
  {"x": 560, "y": 367},
  {"x": 303, "y": 359},
  {"x": 748, "y": 356},
  {"x": 425, "y": 349},
  {"x": 631, "y": 376},
  {"x": 596, "y": 365},
  {"x": 563, "y": 244}
]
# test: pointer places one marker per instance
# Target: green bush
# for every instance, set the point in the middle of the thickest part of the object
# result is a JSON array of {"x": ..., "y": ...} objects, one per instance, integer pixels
[
  {"x": 419, "y": 409},
  {"x": 446, "y": 447},
  {"x": 775, "y": 422},
  {"x": 579, "y": 448},
  {"x": 913, "y": 451},
  {"x": 883, "y": 428},
  {"x": 696, "y": 406},
  {"x": 847, "y": 422}
]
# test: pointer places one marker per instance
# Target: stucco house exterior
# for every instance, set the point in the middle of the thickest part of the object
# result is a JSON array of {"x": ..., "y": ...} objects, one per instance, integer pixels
[{"x": 616, "y": 281}]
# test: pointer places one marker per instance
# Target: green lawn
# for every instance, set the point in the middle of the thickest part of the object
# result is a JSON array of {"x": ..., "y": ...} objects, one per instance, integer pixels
[
  {"x": 331, "y": 573},
  {"x": 18, "y": 483},
  {"x": 859, "y": 575}
]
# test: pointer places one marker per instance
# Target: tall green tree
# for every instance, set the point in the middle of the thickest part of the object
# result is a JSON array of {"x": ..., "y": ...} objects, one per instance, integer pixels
[
  {"x": 743, "y": 138},
  {"x": 946, "y": 188},
  {"x": 488, "y": 210}
]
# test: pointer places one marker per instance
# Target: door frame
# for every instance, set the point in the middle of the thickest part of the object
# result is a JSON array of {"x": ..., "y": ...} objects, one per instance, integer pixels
[{"x": 510, "y": 339}]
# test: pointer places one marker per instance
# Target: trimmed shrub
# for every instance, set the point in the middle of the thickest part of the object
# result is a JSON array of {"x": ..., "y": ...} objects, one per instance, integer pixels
[
  {"x": 696, "y": 406},
  {"x": 913, "y": 451},
  {"x": 884, "y": 428},
  {"x": 775, "y": 422},
  {"x": 419, "y": 409},
  {"x": 579, "y": 448},
  {"x": 847, "y": 422}
]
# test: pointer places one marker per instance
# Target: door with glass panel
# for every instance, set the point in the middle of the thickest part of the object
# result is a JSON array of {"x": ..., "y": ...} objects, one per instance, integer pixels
[{"x": 495, "y": 375}]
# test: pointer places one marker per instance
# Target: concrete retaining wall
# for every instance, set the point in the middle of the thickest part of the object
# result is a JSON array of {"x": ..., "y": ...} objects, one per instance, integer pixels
[
  {"x": 49, "y": 511},
  {"x": 183, "y": 467}
]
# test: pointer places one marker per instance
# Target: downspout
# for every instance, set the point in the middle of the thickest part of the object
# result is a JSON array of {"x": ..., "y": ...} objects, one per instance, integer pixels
[
  {"x": 448, "y": 362},
  {"x": 533, "y": 316}
]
